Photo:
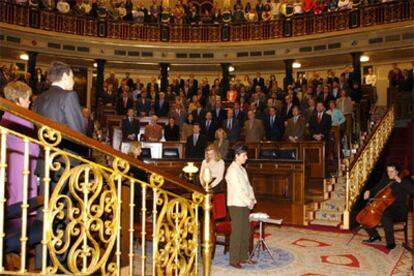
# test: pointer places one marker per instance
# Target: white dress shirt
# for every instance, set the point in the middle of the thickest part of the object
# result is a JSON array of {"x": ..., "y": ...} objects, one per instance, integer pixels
[{"x": 239, "y": 191}]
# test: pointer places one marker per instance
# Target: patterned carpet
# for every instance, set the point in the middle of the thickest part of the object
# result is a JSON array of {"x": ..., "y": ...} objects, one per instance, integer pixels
[{"x": 301, "y": 251}]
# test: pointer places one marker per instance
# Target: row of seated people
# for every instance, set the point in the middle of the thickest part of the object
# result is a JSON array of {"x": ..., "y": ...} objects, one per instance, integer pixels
[{"x": 182, "y": 13}]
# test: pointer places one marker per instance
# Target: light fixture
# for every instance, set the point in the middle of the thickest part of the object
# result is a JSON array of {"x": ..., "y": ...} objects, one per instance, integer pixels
[
  {"x": 24, "y": 57},
  {"x": 364, "y": 58},
  {"x": 206, "y": 178},
  {"x": 190, "y": 169},
  {"x": 231, "y": 68},
  {"x": 95, "y": 64},
  {"x": 296, "y": 65}
]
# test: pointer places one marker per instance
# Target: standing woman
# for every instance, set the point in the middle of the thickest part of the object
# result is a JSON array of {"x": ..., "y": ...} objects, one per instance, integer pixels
[
  {"x": 221, "y": 142},
  {"x": 213, "y": 162},
  {"x": 240, "y": 200},
  {"x": 19, "y": 93}
]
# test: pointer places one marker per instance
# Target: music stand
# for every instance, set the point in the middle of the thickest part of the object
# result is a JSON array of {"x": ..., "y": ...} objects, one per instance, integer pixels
[{"x": 261, "y": 243}]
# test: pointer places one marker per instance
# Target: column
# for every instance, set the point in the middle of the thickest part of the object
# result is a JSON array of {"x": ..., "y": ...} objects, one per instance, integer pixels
[
  {"x": 164, "y": 76},
  {"x": 99, "y": 80},
  {"x": 356, "y": 64},
  {"x": 225, "y": 82},
  {"x": 288, "y": 73},
  {"x": 31, "y": 68}
]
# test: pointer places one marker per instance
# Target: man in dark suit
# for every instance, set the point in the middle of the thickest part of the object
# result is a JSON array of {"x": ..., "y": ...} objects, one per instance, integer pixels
[
  {"x": 162, "y": 107},
  {"x": 196, "y": 144},
  {"x": 152, "y": 85},
  {"x": 239, "y": 114},
  {"x": 231, "y": 126},
  {"x": 199, "y": 113},
  {"x": 320, "y": 124},
  {"x": 143, "y": 105},
  {"x": 89, "y": 127},
  {"x": 274, "y": 126},
  {"x": 325, "y": 97},
  {"x": 258, "y": 81},
  {"x": 124, "y": 103},
  {"x": 287, "y": 108},
  {"x": 209, "y": 127},
  {"x": 193, "y": 86},
  {"x": 219, "y": 114},
  {"x": 130, "y": 127}
]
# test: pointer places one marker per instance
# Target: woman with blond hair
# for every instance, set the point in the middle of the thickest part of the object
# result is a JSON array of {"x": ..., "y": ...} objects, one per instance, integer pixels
[
  {"x": 221, "y": 142},
  {"x": 215, "y": 164}
]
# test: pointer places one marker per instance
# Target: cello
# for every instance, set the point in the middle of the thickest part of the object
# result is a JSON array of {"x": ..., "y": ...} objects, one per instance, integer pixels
[{"x": 371, "y": 215}]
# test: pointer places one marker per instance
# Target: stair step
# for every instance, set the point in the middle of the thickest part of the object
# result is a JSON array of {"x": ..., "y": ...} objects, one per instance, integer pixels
[
  {"x": 328, "y": 215},
  {"x": 325, "y": 223}
]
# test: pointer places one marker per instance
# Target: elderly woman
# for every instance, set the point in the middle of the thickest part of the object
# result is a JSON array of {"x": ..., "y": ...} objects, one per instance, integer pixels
[
  {"x": 215, "y": 164},
  {"x": 221, "y": 142},
  {"x": 19, "y": 93},
  {"x": 240, "y": 200}
]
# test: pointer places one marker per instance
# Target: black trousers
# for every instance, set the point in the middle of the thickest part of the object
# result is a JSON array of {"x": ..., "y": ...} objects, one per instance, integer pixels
[{"x": 390, "y": 215}]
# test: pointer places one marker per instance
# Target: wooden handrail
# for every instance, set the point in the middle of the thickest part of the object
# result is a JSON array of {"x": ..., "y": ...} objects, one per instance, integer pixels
[{"x": 10, "y": 107}]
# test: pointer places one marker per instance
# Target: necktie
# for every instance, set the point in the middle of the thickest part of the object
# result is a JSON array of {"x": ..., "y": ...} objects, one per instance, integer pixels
[
  {"x": 208, "y": 125},
  {"x": 194, "y": 140},
  {"x": 272, "y": 121},
  {"x": 125, "y": 102},
  {"x": 319, "y": 118},
  {"x": 229, "y": 124}
]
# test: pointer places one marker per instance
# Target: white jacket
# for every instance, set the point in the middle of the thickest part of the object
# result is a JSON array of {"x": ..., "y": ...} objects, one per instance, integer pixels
[{"x": 239, "y": 191}]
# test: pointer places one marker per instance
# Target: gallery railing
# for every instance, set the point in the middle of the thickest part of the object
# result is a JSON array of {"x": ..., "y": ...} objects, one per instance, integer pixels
[
  {"x": 298, "y": 25},
  {"x": 360, "y": 167},
  {"x": 82, "y": 217}
]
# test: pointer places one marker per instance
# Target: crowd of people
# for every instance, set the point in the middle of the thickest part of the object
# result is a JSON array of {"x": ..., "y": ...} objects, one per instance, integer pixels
[{"x": 192, "y": 13}]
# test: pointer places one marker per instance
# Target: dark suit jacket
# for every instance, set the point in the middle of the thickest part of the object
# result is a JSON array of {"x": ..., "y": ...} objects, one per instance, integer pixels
[
  {"x": 233, "y": 134},
  {"x": 172, "y": 133},
  {"x": 275, "y": 131},
  {"x": 130, "y": 128},
  {"x": 197, "y": 150},
  {"x": 89, "y": 128},
  {"x": 143, "y": 106},
  {"x": 198, "y": 116},
  {"x": 163, "y": 110},
  {"x": 324, "y": 99},
  {"x": 295, "y": 129},
  {"x": 287, "y": 114},
  {"x": 257, "y": 82},
  {"x": 324, "y": 127},
  {"x": 222, "y": 115},
  {"x": 210, "y": 132},
  {"x": 241, "y": 117},
  {"x": 120, "y": 108}
]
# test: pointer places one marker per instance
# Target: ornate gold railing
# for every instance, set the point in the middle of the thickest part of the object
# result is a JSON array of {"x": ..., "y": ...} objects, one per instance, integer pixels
[
  {"x": 293, "y": 26},
  {"x": 358, "y": 171},
  {"x": 87, "y": 218}
]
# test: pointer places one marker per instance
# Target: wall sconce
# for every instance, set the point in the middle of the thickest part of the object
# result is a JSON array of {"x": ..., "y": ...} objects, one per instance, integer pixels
[{"x": 190, "y": 169}]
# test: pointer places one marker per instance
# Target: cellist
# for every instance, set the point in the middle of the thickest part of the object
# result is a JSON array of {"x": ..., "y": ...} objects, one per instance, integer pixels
[{"x": 401, "y": 187}]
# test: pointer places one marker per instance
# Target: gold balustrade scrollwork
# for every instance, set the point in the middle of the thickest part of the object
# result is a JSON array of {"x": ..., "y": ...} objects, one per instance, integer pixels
[
  {"x": 87, "y": 205},
  {"x": 357, "y": 173}
]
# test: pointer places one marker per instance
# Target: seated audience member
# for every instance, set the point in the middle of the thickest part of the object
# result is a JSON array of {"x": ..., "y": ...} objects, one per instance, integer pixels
[
  {"x": 153, "y": 131},
  {"x": 124, "y": 103},
  {"x": 130, "y": 127},
  {"x": 214, "y": 162},
  {"x": 275, "y": 9},
  {"x": 308, "y": 5},
  {"x": 274, "y": 126},
  {"x": 332, "y": 5},
  {"x": 221, "y": 142},
  {"x": 253, "y": 129},
  {"x": 251, "y": 16},
  {"x": 187, "y": 127},
  {"x": 310, "y": 111},
  {"x": 19, "y": 93},
  {"x": 295, "y": 126},
  {"x": 209, "y": 127},
  {"x": 231, "y": 126},
  {"x": 171, "y": 130},
  {"x": 231, "y": 94},
  {"x": 344, "y": 4},
  {"x": 320, "y": 124},
  {"x": 337, "y": 117},
  {"x": 319, "y": 7},
  {"x": 89, "y": 126},
  {"x": 161, "y": 106},
  {"x": 297, "y": 7},
  {"x": 143, "y": 105},
  {"x": 344, "y": 103},
  {"x": 196, "y": 143}
]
